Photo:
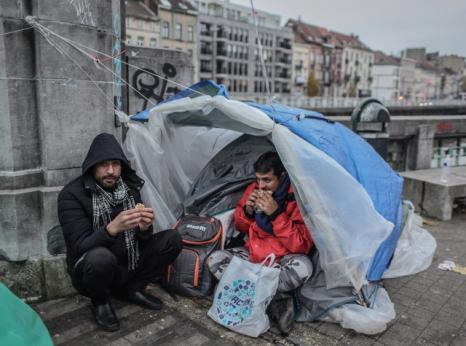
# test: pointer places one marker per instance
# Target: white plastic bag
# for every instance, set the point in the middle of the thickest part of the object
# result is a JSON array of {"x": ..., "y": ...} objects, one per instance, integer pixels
[
  {"x": 415, "y": 248},
  {"x": 366, "y": 320},
  {"x": 243, "y": 294}
]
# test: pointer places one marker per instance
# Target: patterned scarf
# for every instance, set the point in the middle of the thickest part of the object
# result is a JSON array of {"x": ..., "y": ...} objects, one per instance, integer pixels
[{"x": 103, "y": 202}]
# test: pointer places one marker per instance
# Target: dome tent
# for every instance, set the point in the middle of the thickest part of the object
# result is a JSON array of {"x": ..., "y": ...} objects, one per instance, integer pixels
[{"x": 349, "y": 197}]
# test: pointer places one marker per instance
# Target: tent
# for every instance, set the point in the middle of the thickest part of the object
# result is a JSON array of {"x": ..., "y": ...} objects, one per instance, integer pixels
[{"x": 196, "y": 149}]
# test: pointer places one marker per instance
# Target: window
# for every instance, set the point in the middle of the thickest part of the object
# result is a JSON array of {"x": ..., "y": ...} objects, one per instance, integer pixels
[
  {"x": 152, "y": 26},
  {"x": 128, "y": 39},
  {"x": 140, "y": 41},
  {"x": 153, "y": 42},
  {"x": 140, "y": 24},
  {"x": 190, "y": 33},
  {"x": 165, "y": 30},
  {"x": 178, "y": 31}
]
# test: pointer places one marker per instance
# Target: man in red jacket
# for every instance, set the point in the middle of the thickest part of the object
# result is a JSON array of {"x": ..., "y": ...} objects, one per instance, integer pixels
[{"x": 269, "y": 215}]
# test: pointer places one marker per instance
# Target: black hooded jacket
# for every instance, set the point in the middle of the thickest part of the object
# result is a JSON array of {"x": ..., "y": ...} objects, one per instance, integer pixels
[{"x": 75, "y": 211}]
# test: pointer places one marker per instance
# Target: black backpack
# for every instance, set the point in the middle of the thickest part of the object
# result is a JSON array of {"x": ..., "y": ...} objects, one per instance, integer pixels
[{"x": 188, "y": 275}]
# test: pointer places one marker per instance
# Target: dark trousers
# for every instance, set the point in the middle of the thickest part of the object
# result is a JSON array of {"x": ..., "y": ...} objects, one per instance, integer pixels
[{"x": 99, "y": 273}]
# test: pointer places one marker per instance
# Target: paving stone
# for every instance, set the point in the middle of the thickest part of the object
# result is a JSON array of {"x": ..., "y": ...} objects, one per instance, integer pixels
[
  {"x": 430, "y": 311},
  {"x": 419, "y": 285},
  {"x": 403, "y": 300},
  {"x": 439, "y": 333},
  {"x": 399, "y": 334},
  {"x": 332, "y": 329},
  {"x": 409, "y": 292},
  {"x": 415, "y": 320},
  {"x": 355, "y": 339},
  {"x": 454, "y": 319}
]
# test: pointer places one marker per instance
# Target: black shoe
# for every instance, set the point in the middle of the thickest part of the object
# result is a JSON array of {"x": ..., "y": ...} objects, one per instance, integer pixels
[
  {"x": 282, "y": 311},
  {"x": 145, "y": 300},
  {"x": 105, "y": 317}
]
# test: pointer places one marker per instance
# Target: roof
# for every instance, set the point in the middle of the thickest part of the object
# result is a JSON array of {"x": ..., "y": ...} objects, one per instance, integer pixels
[
  {"x": 313, "y": 34},
  {"x": 353, "y": 41},
  {"x": 182, "y": 6},
  {"x": 381, "y": 58},
  {"x": 307, "y": 33},
  {"x": 139, "y": 9},
  {"x": 426, "y": 65}
]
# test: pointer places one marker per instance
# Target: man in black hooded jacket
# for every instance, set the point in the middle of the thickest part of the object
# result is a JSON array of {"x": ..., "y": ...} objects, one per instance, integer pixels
[{"x": 110, "y": 243}]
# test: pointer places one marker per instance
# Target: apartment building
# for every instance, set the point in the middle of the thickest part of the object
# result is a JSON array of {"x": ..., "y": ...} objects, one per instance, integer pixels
[
  {"x": 312, "y": 53},
  {"x": 341, "y": 63},
  {"x": 142, "y": 24},
  {"x": 178, "y": 28},
  {"x": 352, "y": 72},
  {"x": 229, "y": 48},
  {"x": 436, "y": 76},
  {"x": 166, "y": 24}
]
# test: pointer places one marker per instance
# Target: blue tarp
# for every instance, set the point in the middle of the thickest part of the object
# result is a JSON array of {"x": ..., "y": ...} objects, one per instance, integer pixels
[{"x": 383, "y": 185}]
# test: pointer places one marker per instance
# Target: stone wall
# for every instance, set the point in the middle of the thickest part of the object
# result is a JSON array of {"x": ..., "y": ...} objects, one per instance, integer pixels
[
  {"x": 52, "y": 104},
  {"x": 50, "y": 111}
]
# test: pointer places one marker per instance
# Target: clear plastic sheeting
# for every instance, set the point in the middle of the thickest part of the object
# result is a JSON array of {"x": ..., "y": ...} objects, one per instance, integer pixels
[
  {"x": 367, "y": 320},
  {"x": 338, "y": 211},
  {"x": 168, "y": 159},
  {"x": 415, "y": 248}
]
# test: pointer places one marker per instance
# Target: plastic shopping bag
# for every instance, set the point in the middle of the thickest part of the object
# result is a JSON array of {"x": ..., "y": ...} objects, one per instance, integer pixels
[{"x": 243, "y": 294}]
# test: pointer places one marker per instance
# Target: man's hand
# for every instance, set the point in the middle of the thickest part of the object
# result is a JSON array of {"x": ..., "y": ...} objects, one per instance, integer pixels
[
  {"x": 129, "y": 219},
  {"x": 147, "y": 217},
  {"x": 251, "y": 202},
  {"x": 266, "y": 203}
]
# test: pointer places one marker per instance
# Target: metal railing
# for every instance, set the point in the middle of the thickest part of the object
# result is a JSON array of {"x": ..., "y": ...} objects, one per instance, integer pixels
[
  {"x": 349, "y": 102},
  {"x": 452, "y": 156}
]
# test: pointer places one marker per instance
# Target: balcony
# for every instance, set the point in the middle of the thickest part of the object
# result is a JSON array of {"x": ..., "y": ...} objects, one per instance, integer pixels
[
  {"x": 221, "y": 71},
  {"x": 284, "y": 44},
  {"x": 221, "y": 52},
  {"x": 206, "y": 51},
  {"x": 207, "y": 33},
  {"x": 222, "y": 35}
]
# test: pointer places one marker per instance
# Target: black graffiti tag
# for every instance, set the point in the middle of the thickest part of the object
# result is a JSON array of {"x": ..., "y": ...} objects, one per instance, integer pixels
[{"x": 146, "y": 81}]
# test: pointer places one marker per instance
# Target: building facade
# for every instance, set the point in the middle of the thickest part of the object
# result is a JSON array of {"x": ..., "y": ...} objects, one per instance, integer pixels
[
  {"x": 142, "y": 24},
  {"x": 178, "y": 28},
  {"x": 340, "y": 63},
  {"x": 229, "y": 50},
  {"x": 437, "y": 76},
  {"x": 354, "y": 67},
  {"x": 393, "y": 77},
  {"x": 166, "y": 24},
  {"x": 386, "y": 73}
]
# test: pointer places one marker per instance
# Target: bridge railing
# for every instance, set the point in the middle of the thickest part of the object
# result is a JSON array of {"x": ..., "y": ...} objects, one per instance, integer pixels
[
  {"x": 452, "y": 156},
  {"x": 350, "y": 102}
]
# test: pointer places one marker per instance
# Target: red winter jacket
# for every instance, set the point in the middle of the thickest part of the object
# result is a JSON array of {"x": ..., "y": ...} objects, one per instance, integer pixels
[{"x": 290, "y": 234}]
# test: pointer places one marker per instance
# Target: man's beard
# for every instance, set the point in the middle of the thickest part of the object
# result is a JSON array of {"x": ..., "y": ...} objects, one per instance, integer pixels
[{"x": 108, "y": 182}]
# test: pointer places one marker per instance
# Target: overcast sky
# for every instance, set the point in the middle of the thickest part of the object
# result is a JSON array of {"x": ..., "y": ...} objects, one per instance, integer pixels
[{"x": 387, "y": 25}]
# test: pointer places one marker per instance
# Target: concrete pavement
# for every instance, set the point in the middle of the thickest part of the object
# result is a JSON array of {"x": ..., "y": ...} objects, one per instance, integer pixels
[{"x": 430, "y": 306}]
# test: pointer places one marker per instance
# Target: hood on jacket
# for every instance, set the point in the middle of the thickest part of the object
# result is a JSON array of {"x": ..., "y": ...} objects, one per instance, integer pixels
[{"x": 105, "y": 147}]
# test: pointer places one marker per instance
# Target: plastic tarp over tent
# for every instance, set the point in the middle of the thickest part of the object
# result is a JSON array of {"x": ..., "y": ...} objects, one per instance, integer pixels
[
  {"x": 346, "y": 226},
  {"x": 349, "y": 197}
]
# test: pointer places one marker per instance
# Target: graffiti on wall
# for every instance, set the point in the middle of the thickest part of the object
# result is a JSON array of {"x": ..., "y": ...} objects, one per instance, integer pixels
[
  {"x": 445, "y": 127},
  {"x": 146, "y": 82},
  {"x": 83, "y": 11}
]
